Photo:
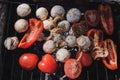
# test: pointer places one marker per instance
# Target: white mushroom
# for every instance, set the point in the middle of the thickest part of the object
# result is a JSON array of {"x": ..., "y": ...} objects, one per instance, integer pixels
[
  {"x": 23, "y": 10},
  {"x": 62, "y": 55},
  {"x": 21, "y": 25},
  {"x": 73, "y": 15},
  {"x": 49, "y": 46},
  {"x": 83, "y": 42},
  {"x": 64, "y": 24},
  {"x": 57, "y": 10},
  {"x": 42, "y": 13},
  {"x": 57, "y": 37},
  {"x": 71, "y": 40},
  {"x": 11, "y": 43},
  {"x": 50, "y": 23}
]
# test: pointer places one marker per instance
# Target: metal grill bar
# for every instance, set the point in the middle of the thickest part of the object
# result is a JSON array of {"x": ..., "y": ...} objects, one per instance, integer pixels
[{"x": 95, "y": 72}]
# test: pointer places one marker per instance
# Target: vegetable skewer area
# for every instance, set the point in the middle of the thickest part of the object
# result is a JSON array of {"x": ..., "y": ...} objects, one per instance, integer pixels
[{"x": 70, "y": 41}]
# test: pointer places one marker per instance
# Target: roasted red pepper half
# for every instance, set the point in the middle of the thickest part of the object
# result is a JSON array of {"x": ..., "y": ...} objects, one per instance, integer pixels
[
  {"x": 92, "y": 17},
  {"x": 111, "y": 60},
  {"x": 106, "y": 18},
  {"x": 35, "y": 29},
  {"x": 96, "y": 35}
]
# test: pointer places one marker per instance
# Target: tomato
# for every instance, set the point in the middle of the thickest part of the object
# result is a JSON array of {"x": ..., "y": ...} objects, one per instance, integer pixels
[
  {"x": 48, "y": 64},
  {"x": 84, "y": 58},
  {"x": 106, "y": 18},
  {"x": 28, "y": 61},
  {"x": 111, "y": 60},
  {"x": 92, "y": 17},
  {"x": 72, "y": 68},
  {"x": 36, "y": 28}
]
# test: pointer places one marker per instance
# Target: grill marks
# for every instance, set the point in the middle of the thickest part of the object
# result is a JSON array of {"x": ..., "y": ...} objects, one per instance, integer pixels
[{"x": 14, "y": 72}]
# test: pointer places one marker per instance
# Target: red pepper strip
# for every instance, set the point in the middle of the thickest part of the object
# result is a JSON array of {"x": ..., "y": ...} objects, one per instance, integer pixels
[
  {"x": 106, "y": 18},
  {"x": 36, "y": 28},
  {"x": 96, "y": 35},
  {"x": 111, "y": 60}
]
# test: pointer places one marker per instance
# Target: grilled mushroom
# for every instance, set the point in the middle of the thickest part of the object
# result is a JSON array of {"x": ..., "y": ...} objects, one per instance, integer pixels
[
  {"x": 62, "y": 54},
  {"x": 23, "y": 10},
  {"x": 73, "y": 15},
  {"x": 42, "y": 13},
  {"x": 64, "y": 24},
  {"x": 50, "y": 23},
  {"x": 49, "y": 46},
  {"x": 57, "y": 10},
  {"x": 83, "y": 42},
  {"x": 11, "y": 43},
  {"x": 21, "y": 25},
  {"x": 71, "y": 40}
]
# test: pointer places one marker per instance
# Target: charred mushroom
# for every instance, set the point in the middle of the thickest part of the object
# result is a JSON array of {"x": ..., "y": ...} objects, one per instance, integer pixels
[
  {"x": 73, "y": 15},
  {"x": 42, "y": 13},
  {"x": 57, "y": 10},
  {"x": 64, "y": 24},
  {"x": 23, "y": 10},
  {"x": 11, "y": 43},
  {"x": 62, "y": 54},
  {"x": 79, "y": 29},
  {"x": 49, "y": 46},
  {"x": 21, "y": 25}
]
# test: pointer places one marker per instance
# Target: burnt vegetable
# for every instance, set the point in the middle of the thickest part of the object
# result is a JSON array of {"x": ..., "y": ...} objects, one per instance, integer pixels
[{"x": 11, "y": 43}]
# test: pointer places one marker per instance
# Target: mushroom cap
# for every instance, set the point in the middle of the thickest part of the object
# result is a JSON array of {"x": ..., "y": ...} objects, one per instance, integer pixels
[
  {"x": 47, "y": 24},
  {"x": 62, "y": 54},
  {"x": 57, "y": 10},
  {"x": 64, "y": 24},
  {"x": 21, "y": 25},
  {"x": 42, "y": 13},
  {"x": 71, "y": 40},
  {"x": 49, "y": 46},
  {"x": 23, "y": 10},
  {"x": 84, "y": 42},
  {"x": 73, "y": 15},
  {"x": 11, "y": 43}
]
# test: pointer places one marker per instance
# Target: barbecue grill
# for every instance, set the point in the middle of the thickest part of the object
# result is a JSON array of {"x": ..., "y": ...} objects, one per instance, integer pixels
[{"x": 10, "y": 69}]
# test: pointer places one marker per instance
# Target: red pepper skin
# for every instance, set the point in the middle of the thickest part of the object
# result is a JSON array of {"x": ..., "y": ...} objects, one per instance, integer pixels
[
  {"x": 35, "y": 29},
  {"x": 106, "y": 18},
  {"x": 92, "y": 17},
  {"x": 111, "y": 60}
]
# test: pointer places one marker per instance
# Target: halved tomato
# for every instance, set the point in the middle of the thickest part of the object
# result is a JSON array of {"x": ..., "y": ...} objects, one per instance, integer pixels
[
  {"x": 106, "y": 18},
  {"x": 85, "y": 58},
  {"x": 92, "y": 17},
  {"x": 72, "y": 68},
  {"x": 111, "y": 60}
]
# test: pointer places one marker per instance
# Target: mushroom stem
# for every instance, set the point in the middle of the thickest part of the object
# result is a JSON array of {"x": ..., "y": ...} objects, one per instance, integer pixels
[
  {"x": 80, "y": 56},
  {"x": 62, "y": 77},
  {"x": 57, "y": 18}
]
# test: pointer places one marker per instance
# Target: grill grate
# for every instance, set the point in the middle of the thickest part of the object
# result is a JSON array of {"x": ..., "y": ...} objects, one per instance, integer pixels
[{"x": 11, "y": 68}]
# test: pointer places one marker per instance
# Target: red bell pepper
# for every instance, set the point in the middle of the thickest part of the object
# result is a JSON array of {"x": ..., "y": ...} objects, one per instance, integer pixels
[
  {"x": 35, "y": 29},
  {"x": 111, "y": 60},
  {"x": 96, "y": 35},
  {"x": 106, "y": 18}
]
